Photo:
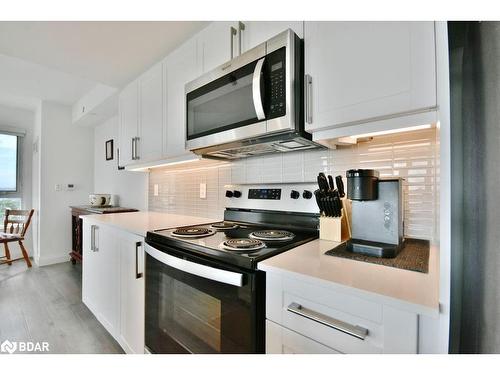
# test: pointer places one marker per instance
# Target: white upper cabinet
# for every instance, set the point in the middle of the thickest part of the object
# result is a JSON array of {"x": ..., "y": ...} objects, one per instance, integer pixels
[
  {"x": 180, "y": 68},
  {"x": 214, "y": 45},
  {"x": 141, "y": 118},
  {"x": 150, "y": 144},
  {"x": 128, "y": 109},
  {"x": 216, "y": 41},
  {"x": 257, "y": 32},
  {"x": 367, "y": 71}
]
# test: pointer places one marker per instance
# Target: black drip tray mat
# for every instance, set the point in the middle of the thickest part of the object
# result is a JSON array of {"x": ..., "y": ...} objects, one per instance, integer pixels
[{"x": 414, "y": 256}]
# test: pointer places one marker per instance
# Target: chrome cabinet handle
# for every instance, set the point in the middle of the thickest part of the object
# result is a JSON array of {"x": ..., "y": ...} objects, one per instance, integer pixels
[
  {"x": 256, "y": 90},
  {"x": 232, "y": 33},
  {"x": 308, "y": 91},
  {"x": 92, "y": 237},
  {"x": 93, "y": 245},
  {"x": 355, "y": 331},
  {"x": 137, "y": 157},
  {"x": 241, "y": 27},
  {"x": 135, "y": 153},
  {"x": 138, "y": 274},
  {"x": 215, "y": 274}
]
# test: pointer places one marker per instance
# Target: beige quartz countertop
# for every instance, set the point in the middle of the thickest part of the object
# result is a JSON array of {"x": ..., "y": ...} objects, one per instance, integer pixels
[
  {"x": 415, "y": 291},
  {"x": 143, "y": 221}
]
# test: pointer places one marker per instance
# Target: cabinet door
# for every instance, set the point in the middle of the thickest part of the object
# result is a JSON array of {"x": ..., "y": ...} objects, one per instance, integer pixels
[
  {"x": 132, "y": 293},
  {"x": 214, "y": 44},
  {"x": 151, "y": 114},
  {"x": 180, "y": 69},
  {"x": 101, "y": 286},
  {"x": 109, "y": 278},
  {"x": 363, "y": 71},
  {"x": 90, "y": 270},
  {"x": 129, "y": 117},
  {"x": 257, "y": 32}
]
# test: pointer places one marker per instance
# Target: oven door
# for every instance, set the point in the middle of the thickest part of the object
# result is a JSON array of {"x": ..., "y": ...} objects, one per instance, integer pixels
[
  {"x": 238, "y": 104},
  {"x": 194, "y": 306}
]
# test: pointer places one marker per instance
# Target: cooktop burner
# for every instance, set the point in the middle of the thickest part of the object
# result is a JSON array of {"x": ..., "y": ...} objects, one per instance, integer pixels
[
  {"x": 272, "y": 235},
  {"x": 192, "y": 232},
  {"x": 242, "y": 244},
  {"x": 223, "y": 226}
]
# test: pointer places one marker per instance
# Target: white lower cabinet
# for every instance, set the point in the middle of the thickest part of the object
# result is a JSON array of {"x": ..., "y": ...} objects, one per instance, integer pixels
[
  {"x": 100, "y": 275},
  {"x": 113, "y": 282},
  {"x": 131, "y": 293},
  {"x": 308, "y": 318},
  {"x": 280, "y": 340}
]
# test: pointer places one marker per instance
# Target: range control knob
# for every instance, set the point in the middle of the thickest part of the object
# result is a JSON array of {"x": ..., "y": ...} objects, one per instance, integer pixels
[
  {"x": 236, "y": 193},
  {"x": 307, "y": 194},
  {"x": 295, "y": 194},
  {"x": 229, "y": 194}
]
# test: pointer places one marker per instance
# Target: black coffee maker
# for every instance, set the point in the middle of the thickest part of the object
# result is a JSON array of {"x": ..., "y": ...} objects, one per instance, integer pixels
[{"x": 377, "y": 227}]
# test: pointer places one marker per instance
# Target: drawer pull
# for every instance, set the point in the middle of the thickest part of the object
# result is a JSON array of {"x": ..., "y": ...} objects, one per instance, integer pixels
[{"x": 355, "y": 331}]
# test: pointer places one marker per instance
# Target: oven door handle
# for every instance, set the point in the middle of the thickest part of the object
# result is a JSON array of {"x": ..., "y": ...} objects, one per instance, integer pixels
[
  {"x": 222, "y": 276},
  {"x": 256, "y": 90}
]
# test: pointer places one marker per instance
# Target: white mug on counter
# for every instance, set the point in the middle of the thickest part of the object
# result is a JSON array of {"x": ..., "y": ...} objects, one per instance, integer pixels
[{"x": 99, "y": 200}]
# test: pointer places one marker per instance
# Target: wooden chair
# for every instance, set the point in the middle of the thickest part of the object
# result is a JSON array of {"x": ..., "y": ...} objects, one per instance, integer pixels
[{"x": 15, "y": 225}]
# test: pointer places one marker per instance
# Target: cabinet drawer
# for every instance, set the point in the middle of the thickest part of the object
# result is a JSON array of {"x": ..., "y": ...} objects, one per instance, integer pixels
[
  {"x": 339, "y": 320},
  {"x": 280, "y": 340},
  {"x": 331, "y": 327}
]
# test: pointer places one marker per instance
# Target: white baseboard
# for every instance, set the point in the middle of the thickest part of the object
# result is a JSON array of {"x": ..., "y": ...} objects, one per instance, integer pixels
[{"x": 46, "y": 261}]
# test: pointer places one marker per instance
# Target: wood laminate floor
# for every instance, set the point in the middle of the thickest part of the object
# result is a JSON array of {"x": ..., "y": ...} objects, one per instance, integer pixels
[{"x": 44, "y": 304}]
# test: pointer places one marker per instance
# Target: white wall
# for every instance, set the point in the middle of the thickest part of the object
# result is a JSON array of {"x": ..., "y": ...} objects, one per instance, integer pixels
[
  {"x": 23, "y": 120},
  {"x": 129, "y": 188},
  {"x": 65, "y": 157}
]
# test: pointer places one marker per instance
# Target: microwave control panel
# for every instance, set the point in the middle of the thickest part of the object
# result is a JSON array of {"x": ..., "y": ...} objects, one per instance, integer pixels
[{"x": 276, "y": 70}]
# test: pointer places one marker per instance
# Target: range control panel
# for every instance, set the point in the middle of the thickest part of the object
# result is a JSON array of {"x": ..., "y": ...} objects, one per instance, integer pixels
[
  {"x": 292, "y": 197},
  {"x": 264, "y": 193}
]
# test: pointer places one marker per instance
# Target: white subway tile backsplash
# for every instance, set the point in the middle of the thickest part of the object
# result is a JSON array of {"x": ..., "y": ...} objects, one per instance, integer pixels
[
  {"x": 238, "y": 172},
  {"x": 292, "y": 167},
  {"x": 413, "y": 156},
  {"x": 271, "y": 168}
]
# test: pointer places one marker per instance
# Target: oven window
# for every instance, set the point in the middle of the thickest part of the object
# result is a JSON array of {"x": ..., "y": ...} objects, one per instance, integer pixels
[
  {"x": 224, "y": 104},
  {"x": 191, "y": 314},
  {"x": 193, "y": 317}
]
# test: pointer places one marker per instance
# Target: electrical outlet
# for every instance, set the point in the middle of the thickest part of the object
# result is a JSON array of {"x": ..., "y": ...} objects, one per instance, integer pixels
[
  {"x": 203, "y": 190},
  {"x": 70, "y": 187},
  {"x": 155, "y": 190}
]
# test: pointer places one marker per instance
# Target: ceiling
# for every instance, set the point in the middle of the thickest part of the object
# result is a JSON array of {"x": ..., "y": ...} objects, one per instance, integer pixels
[
  {"x": 111, "y": 52},
  {"x": 61, "y": 61},
  {"x": 24, "y": 83}
]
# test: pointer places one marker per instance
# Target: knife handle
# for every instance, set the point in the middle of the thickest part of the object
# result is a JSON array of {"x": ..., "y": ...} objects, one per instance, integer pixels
[
  {"x": 340, "y": 186},
  {"x": 330, "y": 181}
]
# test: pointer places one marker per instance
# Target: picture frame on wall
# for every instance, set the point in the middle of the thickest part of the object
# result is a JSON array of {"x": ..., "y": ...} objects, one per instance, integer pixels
[{"x": 109, "y": 150}]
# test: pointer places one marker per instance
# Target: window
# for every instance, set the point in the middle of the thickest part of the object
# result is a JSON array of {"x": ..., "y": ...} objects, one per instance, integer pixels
[
  {"x": 10, "y": 194},
  {"x": 8, "y": 163}
]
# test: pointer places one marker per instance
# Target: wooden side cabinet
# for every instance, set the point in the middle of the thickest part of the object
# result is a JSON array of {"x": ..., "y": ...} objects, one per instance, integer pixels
[{"x": 76, "y": 254}]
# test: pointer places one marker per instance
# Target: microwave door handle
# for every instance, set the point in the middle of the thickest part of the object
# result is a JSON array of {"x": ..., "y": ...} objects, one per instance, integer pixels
[
  {"x": 215, "y": 274},
  {"x": 256, "y": 90}
]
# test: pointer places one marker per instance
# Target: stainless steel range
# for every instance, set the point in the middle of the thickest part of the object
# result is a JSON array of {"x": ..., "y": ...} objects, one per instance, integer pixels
[{"x": 204, "y": 293}]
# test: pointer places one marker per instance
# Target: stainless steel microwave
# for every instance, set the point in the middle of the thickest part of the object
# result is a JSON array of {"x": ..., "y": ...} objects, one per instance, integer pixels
[{"x": 250, "y": 105}]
